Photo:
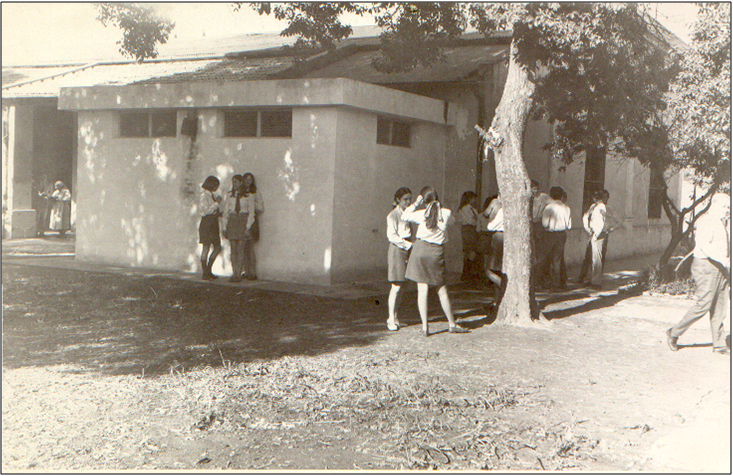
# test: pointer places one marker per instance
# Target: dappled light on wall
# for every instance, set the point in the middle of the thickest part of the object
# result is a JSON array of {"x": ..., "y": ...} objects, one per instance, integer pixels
[
  {"x": 89, "y": 141},
  {"x": 327, "y": 259},
  {"x": 137, "y": 242},
  {"x": 289, "y": 176},
  {"x": 160, "y": 160}
]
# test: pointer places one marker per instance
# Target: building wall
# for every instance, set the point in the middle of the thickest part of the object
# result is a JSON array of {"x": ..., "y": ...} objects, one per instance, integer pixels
[
  {"x": 367, "y": 175},
  {"x": 138, "y": 197}
]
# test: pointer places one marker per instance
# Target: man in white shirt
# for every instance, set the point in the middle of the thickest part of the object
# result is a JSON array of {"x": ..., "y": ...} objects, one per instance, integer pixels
[
  {"x": 556, "y": 222},
  {"x": 600, "y": 222},
  {"x": 538, "y": 202},
  {"x": 711, "y": 272}
]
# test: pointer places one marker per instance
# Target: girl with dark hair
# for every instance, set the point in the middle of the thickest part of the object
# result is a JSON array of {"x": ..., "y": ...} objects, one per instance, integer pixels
[
  {"x": 254, "y": 206},
  {"x": 399, "y": 235},
  {"x": 426, "y": 265},
  {"x": 467, "y": 216},
  {"x": 235, "y": 227},
  {"x": 209, "y": 205}
]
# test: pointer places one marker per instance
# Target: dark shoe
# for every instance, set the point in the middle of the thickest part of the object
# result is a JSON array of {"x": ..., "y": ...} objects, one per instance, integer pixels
[
  {"x": 424, "y": 333},
  {"x": 252, "y": 277},
  {"x": 672, "y": 341},
  {"x": 721, "y": 350},
  {"x": 235, "y": 279},
  {"x": 392, "y": 328},
  {"x": 458, "y": 330},
  {"x": 596, "y": 287},
  {"x": 244, "y": 276}
]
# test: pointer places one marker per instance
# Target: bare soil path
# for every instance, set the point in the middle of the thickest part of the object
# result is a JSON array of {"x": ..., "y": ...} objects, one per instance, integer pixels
[{"x": 113, "y": 372}]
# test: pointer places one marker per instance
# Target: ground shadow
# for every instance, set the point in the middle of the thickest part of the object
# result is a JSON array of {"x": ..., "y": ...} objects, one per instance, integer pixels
[
  {"x": 603, "y": 301},
  {"x": 121, "y": 324}
]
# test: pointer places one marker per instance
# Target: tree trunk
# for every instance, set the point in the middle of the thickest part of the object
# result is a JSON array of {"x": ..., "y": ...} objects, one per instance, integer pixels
[{"x": 508, "y": 128}]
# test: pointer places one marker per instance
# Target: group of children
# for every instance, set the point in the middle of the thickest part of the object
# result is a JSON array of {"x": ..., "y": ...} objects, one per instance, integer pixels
[
  {"x": 421, "y": 260},
  {"x": 238, "y": 214}
]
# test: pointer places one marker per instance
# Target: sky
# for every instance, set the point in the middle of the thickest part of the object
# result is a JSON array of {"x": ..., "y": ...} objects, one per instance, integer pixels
[{"x": 38, "y": 33}]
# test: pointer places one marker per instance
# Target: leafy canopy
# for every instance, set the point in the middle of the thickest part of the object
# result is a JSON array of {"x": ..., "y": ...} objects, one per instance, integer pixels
[
  {"x": 142, "y": 28},
  {"x": 699, "y": 101}
]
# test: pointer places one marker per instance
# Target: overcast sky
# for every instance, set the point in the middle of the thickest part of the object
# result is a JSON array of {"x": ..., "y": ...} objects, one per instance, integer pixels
[{"x": 34, "y": 33}]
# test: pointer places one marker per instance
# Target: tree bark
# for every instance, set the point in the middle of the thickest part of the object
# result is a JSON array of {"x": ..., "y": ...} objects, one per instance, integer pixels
[{"x": 506, "y": 137}]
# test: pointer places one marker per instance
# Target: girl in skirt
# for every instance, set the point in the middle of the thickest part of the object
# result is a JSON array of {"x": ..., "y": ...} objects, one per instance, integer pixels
[
  {"x": 426, "y": 265},
  {"x": 399, "y": 235},
  {"x": 235, "y": 230},
  {"x": 254, "y": 206},
  {"x": 209, "y": 226}
]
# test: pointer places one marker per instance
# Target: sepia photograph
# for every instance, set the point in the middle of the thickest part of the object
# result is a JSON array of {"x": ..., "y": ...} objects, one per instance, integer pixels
[{"x": 348, "y": 236}]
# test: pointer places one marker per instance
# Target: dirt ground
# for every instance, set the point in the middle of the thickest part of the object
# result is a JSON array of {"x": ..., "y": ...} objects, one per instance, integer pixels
[{"x": 112, "y": 372}]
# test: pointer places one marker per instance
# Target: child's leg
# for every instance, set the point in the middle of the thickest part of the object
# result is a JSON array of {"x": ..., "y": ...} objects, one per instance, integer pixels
[
  {"x": 214, "y": 254},
  {"x": 235, "y": 251},
  {"x": 204, "y": 259},
  {"x": 422, "y": 304},
  {"x": 251, "y": 259},
  {"x": 445, "y": 304},
  {"x": 393, "y": 304}
]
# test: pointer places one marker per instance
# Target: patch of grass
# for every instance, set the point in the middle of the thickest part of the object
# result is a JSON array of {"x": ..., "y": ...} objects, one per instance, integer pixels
[{"x": 652, "y": 280}]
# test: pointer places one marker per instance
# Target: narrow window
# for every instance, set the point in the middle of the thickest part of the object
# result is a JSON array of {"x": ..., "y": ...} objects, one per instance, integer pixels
[
  {"x": 595, "y": 171},
  {"x": 276, "y": 123},
  {"x": 134, "y": 124},
  {"x": 148, "y": 124},
  {"x": 391, "y": 132},
  {"x": 163, "y": 124},
  {"x": 240, "y": 123},
  {"x": 384, "y": 128}
]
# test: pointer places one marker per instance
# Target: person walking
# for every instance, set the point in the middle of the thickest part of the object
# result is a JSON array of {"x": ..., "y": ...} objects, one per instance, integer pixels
[
  {"x": 254, "y": 207},
  {"x": 235, "y": 227},
  {"x": 399, "y": 235},
  {"x": 426, "y": 265},
  {"x": 60, "y": 217},
  {"x": 556, "y": 221},
  {"x": 467, "y": 216},
  {"x": 209, "y": 206},
  {"x": 711, "y": 272}
]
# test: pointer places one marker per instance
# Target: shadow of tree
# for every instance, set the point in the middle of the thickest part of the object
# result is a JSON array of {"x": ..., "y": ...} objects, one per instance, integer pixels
[
  {"x": 119, "y": 324},
  {"x": 601, "y": 302},
  {"x": 122, "y": 324}
]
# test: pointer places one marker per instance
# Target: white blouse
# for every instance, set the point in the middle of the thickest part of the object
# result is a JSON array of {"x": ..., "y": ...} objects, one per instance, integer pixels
[{"x": 436, "y": 236}]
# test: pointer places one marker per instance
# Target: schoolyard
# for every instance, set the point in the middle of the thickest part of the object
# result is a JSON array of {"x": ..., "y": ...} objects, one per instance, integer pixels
[{"x": 108, "y": 369}]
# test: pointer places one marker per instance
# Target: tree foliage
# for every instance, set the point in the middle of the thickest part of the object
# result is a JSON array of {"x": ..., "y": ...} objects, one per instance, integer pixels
[
  {"x": 142, "y": 28},
  {"x": 699, "y": 101}
]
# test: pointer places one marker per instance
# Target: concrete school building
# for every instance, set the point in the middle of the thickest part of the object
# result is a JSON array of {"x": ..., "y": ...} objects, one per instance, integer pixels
[{"x": 328, "y": 139}]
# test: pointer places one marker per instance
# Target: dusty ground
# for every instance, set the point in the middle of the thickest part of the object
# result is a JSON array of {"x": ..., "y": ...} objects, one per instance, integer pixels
[{"x": 113, "y": 372}]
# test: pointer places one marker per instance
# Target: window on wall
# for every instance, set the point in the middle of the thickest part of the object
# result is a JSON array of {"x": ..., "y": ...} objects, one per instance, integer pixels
[
  {"x": 657, "y": 191},
  {"x": 258, "y": 123},
  {"x": 595, "y": 171},
  {"x": 391, "y": 132},
  {"x": 148, "y": 124}
]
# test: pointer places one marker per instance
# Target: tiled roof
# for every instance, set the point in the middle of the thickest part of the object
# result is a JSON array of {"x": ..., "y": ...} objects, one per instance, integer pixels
[
  {"x": 459, "y": 63},
  {"x": 216, "y": 69},
  {"x": 228, "y": 70}
]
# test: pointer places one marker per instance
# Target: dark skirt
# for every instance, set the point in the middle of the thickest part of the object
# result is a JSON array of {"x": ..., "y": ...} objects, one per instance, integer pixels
[
  {"x": 497, "y": 251},
  {"x": 236, "y": 226},
  {"x": 469, "y": 238},
  {"x": 484, "y": 242},
  {"x": 209, "y": 230},
  {"x": 426, "y": 263},
  {"x": 396, "y": 263}
]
